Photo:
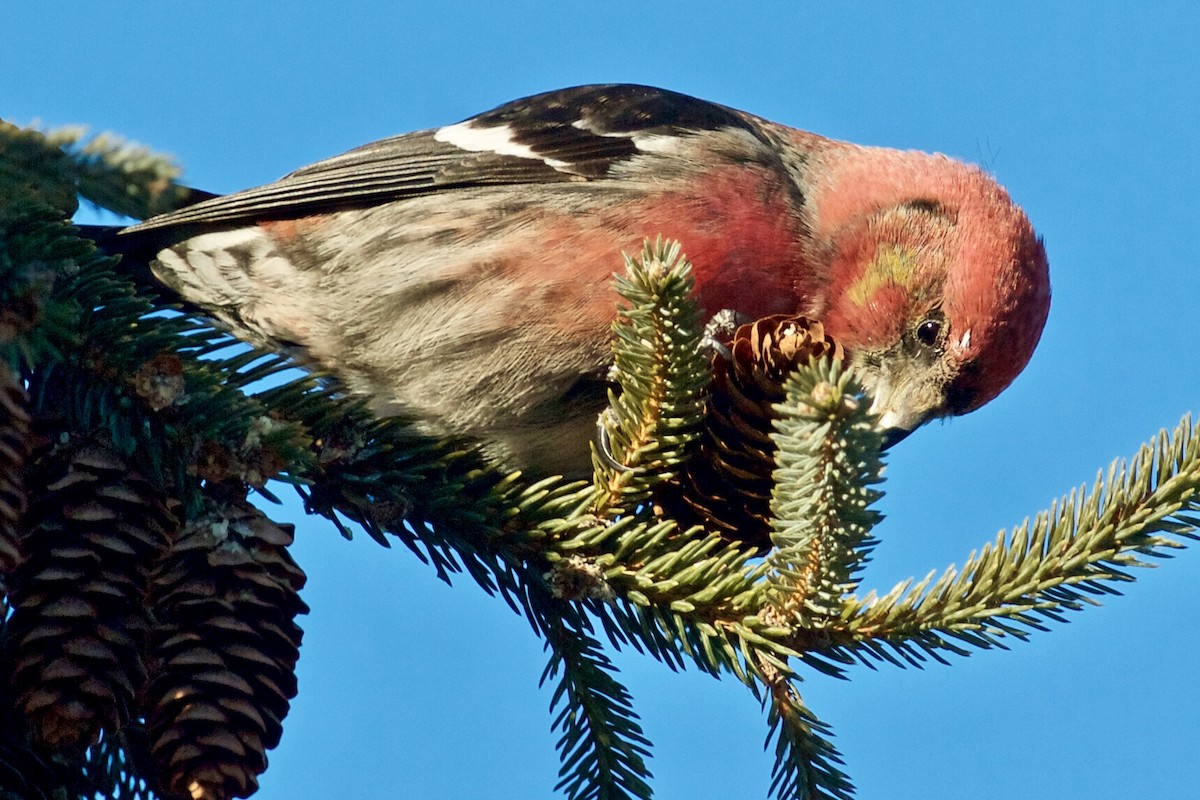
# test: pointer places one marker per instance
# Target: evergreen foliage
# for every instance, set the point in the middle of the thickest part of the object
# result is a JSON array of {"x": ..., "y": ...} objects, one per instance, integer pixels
[{"x": 133, "y": 430}]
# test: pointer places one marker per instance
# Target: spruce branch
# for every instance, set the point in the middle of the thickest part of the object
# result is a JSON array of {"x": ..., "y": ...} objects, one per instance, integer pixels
[
  {"x": 99, "y": 356},
  {"x": 827, "y": 459},
  {"x": 117, "y": 765},
  {"x": 602, "y": 747},
  {"x": 381, "y": 475},
  {"x": 34, "y": 171},
  {"x": 807, "y": 765},
  {"x": 122, "y": 176},
  {"x": 105, "y": 169},
  {"x": 675, "y": 584},
  {"x": 1068, "y": 555},
  {"x": 661, "y": 372}
]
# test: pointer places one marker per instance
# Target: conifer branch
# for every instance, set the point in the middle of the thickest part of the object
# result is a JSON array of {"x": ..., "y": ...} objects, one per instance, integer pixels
[
  {"x": 828, "y": 458},
  {"x": 807, "y": 765},
  {"x": 107, "y": 170},
  {"x": 661, "y": 371},
  {"x": 602, "y": 747},
  {"x": 1071, "y": 553},
  {"x": 119, "y": 764},
  {"x": 121, "y": 367}
]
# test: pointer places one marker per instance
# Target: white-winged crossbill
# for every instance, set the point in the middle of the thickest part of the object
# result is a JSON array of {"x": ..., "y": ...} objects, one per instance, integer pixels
[{"x": 461, "y": 276}]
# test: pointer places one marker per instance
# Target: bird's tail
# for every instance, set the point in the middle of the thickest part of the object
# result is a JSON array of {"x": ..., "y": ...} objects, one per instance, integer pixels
[
  {"x": 137, "y": 251},
  {"x": 136, "y": 254},
  {"x": 105, "y": 237}
]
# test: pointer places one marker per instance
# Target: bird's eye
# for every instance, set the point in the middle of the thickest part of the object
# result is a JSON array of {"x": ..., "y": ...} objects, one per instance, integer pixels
[{"x": 927, "y": 332}]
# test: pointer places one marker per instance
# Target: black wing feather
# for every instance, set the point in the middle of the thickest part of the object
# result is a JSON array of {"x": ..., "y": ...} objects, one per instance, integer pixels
[{"x": 580, "y": 133}]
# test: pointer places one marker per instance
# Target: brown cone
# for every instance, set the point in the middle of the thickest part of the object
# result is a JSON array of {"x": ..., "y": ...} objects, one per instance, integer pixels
[
  {"x": 223, "y": 652},
  {"x": 726, "y": 484},
  {"x": 75, "y": 636},
  {"x": 14, "y": 450}
]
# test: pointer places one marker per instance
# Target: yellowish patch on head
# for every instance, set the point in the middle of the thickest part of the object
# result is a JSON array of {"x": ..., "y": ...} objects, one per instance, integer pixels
[{"x": 893, "y": 264}]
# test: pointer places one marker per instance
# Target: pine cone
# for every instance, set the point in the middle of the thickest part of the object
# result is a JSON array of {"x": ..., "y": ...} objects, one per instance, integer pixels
[
  {"x": 224, "y": 651},
  {"x": 75, "y": 637},
  {"x": 726, "y": 484},
  {"x": 14, "y": 450}
]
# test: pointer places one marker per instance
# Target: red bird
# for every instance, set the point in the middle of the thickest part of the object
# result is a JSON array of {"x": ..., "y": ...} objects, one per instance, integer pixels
[{"x": 461, "y": 276}]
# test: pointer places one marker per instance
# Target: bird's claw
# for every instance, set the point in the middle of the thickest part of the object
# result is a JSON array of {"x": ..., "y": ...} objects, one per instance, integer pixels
[
  {"x": 604, "y": 445},
  {"x": 720, "y": 329}
]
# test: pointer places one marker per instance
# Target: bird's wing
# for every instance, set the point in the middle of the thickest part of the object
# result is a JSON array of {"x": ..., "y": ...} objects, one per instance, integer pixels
[{"x": 567, "y": 135}]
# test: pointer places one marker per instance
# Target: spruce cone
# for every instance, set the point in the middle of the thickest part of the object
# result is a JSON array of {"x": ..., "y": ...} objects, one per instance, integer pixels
[
  {"x": 223, "y": 652},
  {"x": 75, "y": 637},
  {"x": 14, "y": 449},
  {"x": 726, "y": 484}
]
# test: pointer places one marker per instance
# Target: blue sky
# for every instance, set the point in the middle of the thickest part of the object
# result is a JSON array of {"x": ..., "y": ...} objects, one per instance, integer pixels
[{"x": 1089, "y": 118}]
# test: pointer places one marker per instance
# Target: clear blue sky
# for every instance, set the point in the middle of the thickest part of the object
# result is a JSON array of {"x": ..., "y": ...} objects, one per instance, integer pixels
[{"x": 410, "y": 688}]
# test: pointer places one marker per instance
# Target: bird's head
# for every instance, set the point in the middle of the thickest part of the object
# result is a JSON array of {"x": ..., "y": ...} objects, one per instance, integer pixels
[{"x": 938, "y": 285}]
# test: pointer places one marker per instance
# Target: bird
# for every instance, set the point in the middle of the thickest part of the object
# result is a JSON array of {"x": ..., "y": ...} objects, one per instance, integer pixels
[{"x": 460, "y": 277}]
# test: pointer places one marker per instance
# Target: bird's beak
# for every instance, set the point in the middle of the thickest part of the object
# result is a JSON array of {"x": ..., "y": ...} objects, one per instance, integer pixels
[
  {"x": 897, "y": 418},
  {"x": 894, "y": 436}
]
